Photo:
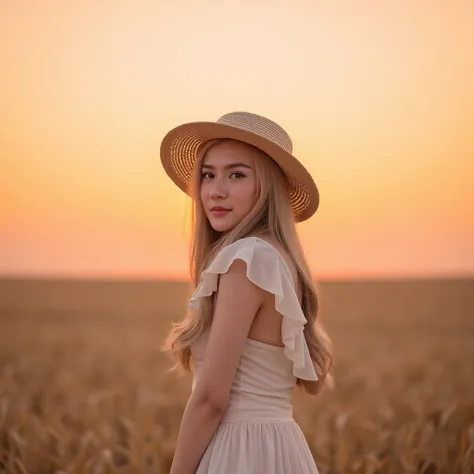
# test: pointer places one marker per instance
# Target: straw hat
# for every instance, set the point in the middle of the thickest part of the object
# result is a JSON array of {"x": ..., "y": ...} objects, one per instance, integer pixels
[{"x": 181, "y": 145}]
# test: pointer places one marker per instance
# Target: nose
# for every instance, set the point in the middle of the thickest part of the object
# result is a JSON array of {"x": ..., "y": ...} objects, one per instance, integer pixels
[{"x": 217, "y": 190}]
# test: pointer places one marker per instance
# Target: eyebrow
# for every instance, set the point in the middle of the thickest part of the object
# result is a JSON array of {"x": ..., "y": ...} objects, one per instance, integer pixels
[{"x": 227, "y": 167}]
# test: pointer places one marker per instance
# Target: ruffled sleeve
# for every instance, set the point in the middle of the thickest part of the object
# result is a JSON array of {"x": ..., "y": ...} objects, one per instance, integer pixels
[{"x": 266, "y": 269}]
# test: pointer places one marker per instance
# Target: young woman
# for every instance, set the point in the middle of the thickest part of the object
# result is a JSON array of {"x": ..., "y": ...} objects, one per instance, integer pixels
[{"x": 251, "y": 332}]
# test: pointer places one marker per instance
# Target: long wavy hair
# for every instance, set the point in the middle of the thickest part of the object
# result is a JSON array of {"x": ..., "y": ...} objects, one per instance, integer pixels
[{"x": 272, "y": 216}]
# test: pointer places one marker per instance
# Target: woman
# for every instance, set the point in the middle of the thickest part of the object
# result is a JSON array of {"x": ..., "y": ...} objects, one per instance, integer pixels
[{"x": 250, "y": 335}]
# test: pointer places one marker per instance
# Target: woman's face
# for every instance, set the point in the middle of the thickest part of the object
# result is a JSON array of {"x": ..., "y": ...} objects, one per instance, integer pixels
[{"x": 228, "y": 184}]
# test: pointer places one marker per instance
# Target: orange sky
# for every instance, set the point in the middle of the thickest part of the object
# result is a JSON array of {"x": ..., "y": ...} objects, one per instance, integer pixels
[{"x": 377, "y": 96}]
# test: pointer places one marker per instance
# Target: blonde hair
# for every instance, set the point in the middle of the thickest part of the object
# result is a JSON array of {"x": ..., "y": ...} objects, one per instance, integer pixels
[{"x": 271, "y": 215}]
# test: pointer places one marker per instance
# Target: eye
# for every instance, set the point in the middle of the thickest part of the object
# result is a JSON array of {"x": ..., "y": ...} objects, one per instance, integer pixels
[
  {"x": 207, "y": 175},
  {"x": 237, "y": 175}
]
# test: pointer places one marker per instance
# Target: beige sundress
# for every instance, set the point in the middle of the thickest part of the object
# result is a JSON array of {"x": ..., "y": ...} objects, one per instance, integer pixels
[{"x": 258, "y": 434}]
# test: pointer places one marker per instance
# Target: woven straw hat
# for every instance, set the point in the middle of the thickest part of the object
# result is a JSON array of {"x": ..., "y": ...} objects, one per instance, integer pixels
[{"x": 181, "y": 145}]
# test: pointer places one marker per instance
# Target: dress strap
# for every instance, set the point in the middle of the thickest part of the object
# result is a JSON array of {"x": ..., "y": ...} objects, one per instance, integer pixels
[{"x": 267, "y": 269}]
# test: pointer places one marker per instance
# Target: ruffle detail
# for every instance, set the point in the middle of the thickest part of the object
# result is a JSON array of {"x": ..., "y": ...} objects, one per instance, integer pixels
[{"x": 266, "y": 269}]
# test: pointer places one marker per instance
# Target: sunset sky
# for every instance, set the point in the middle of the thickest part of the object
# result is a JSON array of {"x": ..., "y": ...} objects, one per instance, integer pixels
[{"x": 377, "y": 96}]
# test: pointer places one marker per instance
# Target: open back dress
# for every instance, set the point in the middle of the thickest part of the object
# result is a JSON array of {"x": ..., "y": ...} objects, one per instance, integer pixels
[{"x": 258, "y": 434}]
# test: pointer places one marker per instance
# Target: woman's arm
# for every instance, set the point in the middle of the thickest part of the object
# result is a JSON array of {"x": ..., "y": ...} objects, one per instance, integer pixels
[{"x": 238, "y": 301}]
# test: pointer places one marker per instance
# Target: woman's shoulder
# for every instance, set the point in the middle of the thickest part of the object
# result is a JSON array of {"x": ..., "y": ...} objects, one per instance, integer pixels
[
  {"x": 260, "y": 240},
  {"x": 260, "y": 250},
  {"x": 258, "y": 258},
  {"x": 270, "y": 242}
]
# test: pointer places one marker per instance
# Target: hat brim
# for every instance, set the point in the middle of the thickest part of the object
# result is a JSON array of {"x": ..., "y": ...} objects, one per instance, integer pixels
[{"x": 180, "y": 147}]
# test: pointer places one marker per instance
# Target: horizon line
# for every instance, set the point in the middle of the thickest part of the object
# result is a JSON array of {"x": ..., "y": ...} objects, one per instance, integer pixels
[{"x": 182, "y": 279}]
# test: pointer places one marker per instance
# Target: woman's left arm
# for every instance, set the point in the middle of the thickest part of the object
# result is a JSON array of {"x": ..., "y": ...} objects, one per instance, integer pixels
[{"x": 238, "y": 301}]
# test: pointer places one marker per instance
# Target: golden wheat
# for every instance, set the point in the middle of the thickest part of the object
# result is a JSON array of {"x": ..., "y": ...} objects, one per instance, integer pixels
[{"x": 84, "y": 389}]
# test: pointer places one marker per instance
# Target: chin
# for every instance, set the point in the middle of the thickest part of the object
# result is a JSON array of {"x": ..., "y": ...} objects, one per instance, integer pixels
[{"x": 220, "y": 226}]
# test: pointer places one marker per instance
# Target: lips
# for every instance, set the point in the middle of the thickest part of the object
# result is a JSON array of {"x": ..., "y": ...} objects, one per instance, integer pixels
[{"x": 219, "y": 211}]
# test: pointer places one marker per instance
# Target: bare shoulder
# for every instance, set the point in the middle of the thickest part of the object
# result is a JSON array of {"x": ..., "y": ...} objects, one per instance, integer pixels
[{"x": 236, "y": 282}]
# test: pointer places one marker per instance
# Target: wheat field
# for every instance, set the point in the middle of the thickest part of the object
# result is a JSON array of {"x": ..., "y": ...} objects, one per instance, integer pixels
[{"x": 84, "y": 389}]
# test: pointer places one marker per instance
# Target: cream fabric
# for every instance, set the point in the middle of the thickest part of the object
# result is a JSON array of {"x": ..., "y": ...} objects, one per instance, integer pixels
[
  {"x": 258, "y": 434},
  {"x": 266, "y": 269}
]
